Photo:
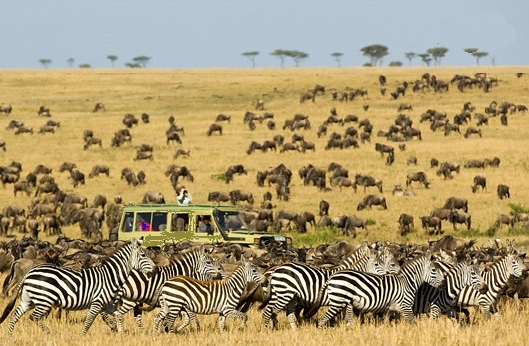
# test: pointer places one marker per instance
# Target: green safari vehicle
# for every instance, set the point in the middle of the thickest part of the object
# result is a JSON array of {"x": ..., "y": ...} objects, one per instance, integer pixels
[{"x": 160, "y": 224}]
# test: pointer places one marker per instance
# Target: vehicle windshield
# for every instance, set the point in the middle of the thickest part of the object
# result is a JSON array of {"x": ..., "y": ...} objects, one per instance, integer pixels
[{"x": 228, "y": 221}]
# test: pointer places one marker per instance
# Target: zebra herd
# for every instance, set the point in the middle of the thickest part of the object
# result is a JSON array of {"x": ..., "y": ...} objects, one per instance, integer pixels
[{"x": 370, "y": 280}]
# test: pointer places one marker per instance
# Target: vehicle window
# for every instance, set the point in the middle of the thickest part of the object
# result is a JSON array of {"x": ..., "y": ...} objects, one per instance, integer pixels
[
  {"x": 127, "y": 224},
  {"x": 180, "y": 222},
  {"x": 143, "y": 222},
  {"x": 204, "y": 224},
  {"x": 159, "y": 221},
  {"x": 229, "y": 221}
]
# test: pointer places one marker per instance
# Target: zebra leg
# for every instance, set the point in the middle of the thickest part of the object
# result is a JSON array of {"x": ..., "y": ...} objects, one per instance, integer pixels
[
  {"x": 95, "y": 309},
  {"x": 193, "y": 318},
  {"x": 236, "y": 314},
  {"x": 159, "y": 319},
  {"x": 333, "y": 311},
  {"x": 291, "y": 314},
  {"x": 38, "y": 315},
  {"x": 110, "y": 321},
  {"x": 407, "y": 312},
  {"x": 20, "y": 310},
  {"x": 185, "y": 317},
  {"x": 138, "y": 317}
]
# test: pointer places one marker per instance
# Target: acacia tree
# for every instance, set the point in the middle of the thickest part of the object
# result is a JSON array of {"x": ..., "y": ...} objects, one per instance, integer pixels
[
  {"x": 375, "y": 52},
  {"x": 251, "y": 55},
  {"x": 437, "y": 53},
  {"x": 112, "y": 59},
  {"x": 425, "y": 58},
  {"x": 338, "y": 58},
  {"x": 70, "y": 62},
  {"x": 132, "y": 65},
  {"x": 410, "y": 56},
  {"x": 478, "y": 55},
  {"x": 281, "y": 54},
  {"x": 142, "y": 60},
  {"x": 45, "y": 62},
  {"x": 298, "y": 56}
]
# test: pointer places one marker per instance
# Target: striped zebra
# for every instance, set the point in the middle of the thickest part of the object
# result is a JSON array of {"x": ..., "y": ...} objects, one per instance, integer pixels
[
  {"x": 190, "y": 297},
  {"x": 141, "y": 289},
  {"x": 368, "y": 292},
  {"x": 435, "y": 301},
  {"x": 46, "y": 286},
  {"x": 295, "y": 286},
  {"x": 496, "y": 277}
]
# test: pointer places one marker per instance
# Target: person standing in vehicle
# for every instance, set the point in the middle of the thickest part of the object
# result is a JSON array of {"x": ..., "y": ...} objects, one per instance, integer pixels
[{"x": 184, "y": 198}]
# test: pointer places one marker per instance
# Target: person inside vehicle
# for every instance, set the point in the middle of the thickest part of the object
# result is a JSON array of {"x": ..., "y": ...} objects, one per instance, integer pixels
[{"x": 205, "y": 225}]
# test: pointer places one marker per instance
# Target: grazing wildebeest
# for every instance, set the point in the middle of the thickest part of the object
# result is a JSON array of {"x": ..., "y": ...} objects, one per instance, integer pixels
[
  {"x": 99, "y": 169},
  {"x": 441, "y": 213},
  {"x": 92, "y": 141},
  {"x": 342, "y": 181},
  {"x": 283, "y": 192},
  {"x": 6, "y": 109},
  {"x": 456, "y": 203},
  {"x": 371, "y": 200},
  {"x": 99, "y": 107},
  {"x": 290, "y": 147},
  {"x": 383, "y": 148},
  {"x": 143, "y": 155},
  {"x": 475, "y": 164},
  {"x": 503, "y": 219},
  {"x": 307, "y": 96},
  {"x": 431, "y": 221},
  {"x": 367, "y": 180},
  {"x": 214, "y": 128},
  {"x": 47, "y": 129},
  {"x": 173, "y": 137},
  {"x": 217, "y": 196},
  {"x": 129, "y": 120},
  {"x": 234, "y": 169},
  {"x": 181, "y": 152},
  {"x": 44, "y": 111},
  {"x": 472, "y": 130},
  {"x": 21, "y": 186},
  {"x": 419, "y": 177},
  {"x": 23, "y": 129},
  {"x": 460, "y": 217},
  {"x": 268, "y": 144},
  {"x": 223, "y": 117},
  {"x": 77, "y": 177},
  {"x": 151, "y": 197},
  {"x": 503, "y": 191},
  {"x": 323, "y": 208},
  {"x": 254, "y": 146},
  {"x": 479, "y": 180},
  {"x": 405, "y": 223},
  {"x": 239, "y": 195}
]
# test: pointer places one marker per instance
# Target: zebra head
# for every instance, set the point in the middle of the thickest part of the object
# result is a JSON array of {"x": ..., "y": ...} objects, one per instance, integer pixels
[
  {"x": 389, "y": 264},
  {"x": 139, "y": 259},
  {"x": 374, "y": 263},
  {"x": 431, "y": 273},
  {"x": 249, "y": 273},
  {"x": 515, "y": 265},
  {"x": 207, "y": 267},
  {"x": 471, "y": 276}
]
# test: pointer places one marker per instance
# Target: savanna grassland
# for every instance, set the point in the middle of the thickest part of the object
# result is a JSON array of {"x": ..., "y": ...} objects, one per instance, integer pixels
[{"x": 195, "y": 97}]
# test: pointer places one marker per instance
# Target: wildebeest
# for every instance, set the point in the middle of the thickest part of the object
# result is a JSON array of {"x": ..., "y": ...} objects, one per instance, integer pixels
[
  {"x": 405, "y": 223},
  {"x": 307, "y": 96},
  {"x": 181, "y": 152},
  {"x": 129, "y": 120},
  {"x": 475, "y": 164},
  {"x": 44, "y": 111},
  {"x": 234, "y": 169},
  {"x": 254, "y": 146},
  {"x": 472, "y": 130},
  {"x": 239, "y": 195},
  {"x": 143, "y": 155},
  {"x": 431, "y": 221},
  {"x": 370, "y": 200},
  {"x": 223, "y": 117},
  {"x": 217, "y": 196},
  {"x": 47, "y": 129},
  {"x": 92, "y": 141},
  {"x": 479, "y": 180},
  {"x": 214, "y": 128},
  {"x": 460, "y": 217},
  {"x": 323, "y": 208},
  {"x": 283, "y": 192},
  {"x": 456, "y": 203},
  {"x": 151, "y": 197},
  {"x": 503, "y": 191},
  {"x": 99, "y": 107},
  {"x": 503, "y": 219},
  {"x": 367, "y": 180},
  {"x": 173, "y": 137},
  {"x": 419, "y": 177},
  {"x": 77, "y": 177},
  {"x": 145, "y": 118},
  {"x": 23, "y": 129},
  {"x": 383, "y": 148},
  {"x": 6, "y": 109},
  {"x": 99, "y": 169}
]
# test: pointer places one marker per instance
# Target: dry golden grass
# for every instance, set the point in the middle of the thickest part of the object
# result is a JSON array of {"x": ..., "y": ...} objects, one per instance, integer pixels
[{"x": 195, "y": 97}]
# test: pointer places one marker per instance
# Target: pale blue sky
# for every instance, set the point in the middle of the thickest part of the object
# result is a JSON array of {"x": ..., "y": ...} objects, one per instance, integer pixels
[{"x": 214, "y": 33}]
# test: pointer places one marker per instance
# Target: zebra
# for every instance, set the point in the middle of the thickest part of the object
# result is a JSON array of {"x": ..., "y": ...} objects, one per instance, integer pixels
[
  {"x": 432, "y": 299},
  {"x": 139, "y": 288},
  {"x": 189, "y": 296},
  {"x": 46, "y": 286},
  {"x": 368, "y": 292},
  {"x": 496, "y": 277},
  {"x": 294, "y": 286}
]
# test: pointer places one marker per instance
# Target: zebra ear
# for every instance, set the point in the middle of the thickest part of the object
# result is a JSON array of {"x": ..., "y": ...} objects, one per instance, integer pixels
[
  {"x": 243, "y": 260},
  {"x": 428, "y": 254},
  {"x": 202, "y": 249}
]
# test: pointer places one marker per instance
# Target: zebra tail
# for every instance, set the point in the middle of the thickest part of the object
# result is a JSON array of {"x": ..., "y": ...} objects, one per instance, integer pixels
[
  {"x": 266, "y": 299},
  {"x": 9, "y": 306},
  {"x": 8, "y": 279}
]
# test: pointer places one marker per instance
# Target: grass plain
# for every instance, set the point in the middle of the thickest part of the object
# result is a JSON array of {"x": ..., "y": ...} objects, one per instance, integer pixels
[{"x": 195, "y": 97}]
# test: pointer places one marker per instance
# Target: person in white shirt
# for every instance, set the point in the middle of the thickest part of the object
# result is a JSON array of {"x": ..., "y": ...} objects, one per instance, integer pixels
[{"x": 184, "y": 198}]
